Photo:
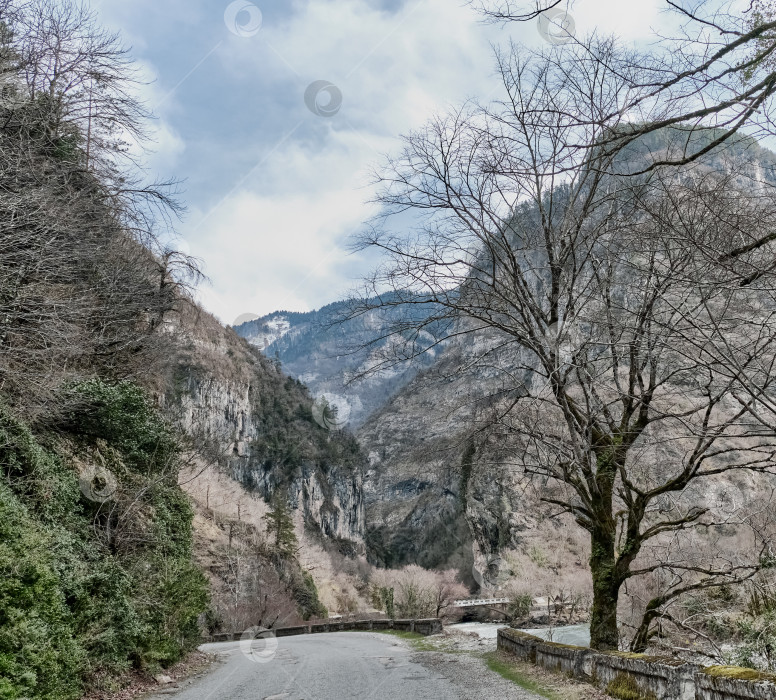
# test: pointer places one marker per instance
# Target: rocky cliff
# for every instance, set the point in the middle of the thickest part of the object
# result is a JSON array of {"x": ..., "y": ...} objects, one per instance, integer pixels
[
  {"x": 433, "y": 494},
  {"x": 257, "y": 425}
]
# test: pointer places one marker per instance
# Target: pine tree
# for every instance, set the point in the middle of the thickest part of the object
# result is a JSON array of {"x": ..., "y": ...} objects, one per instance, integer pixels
[{"x": 281, "y": 525}]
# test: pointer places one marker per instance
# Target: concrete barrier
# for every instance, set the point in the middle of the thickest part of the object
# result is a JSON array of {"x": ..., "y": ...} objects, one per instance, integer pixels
[
  {"x": 638, "y": 676},
  {"x": 428, "y": 626},
  {"x": 425, "y": 627},
  {"x": 654, "y": 677},
  {"x": 730, "y": 683},
  {"x": 290, "y": 631},
  {"x": 226, "y": 637},
  {"x": 404, "y": 625}
]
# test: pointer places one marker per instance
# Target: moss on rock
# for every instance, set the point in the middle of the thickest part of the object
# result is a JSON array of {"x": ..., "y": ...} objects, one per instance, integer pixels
[
  {"x": 739, "y": 673},
  {"x": 625, "y": 687}
]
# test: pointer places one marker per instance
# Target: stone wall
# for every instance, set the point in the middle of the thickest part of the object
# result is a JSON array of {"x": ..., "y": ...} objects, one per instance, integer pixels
[
  {"x": 721, "y": 683},
  {"x": 425, "y": 627},
  {"x": 638, "y": 675}
]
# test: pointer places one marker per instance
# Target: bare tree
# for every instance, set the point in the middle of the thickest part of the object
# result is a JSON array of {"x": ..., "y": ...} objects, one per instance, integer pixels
[
  {"x": 447, "y": 590},
  {"x": 606, "y": 294},
  {"x": 715, "y": 71},
  {"x": 417, "y": 592},
  {"x": 85, "y": 282}
]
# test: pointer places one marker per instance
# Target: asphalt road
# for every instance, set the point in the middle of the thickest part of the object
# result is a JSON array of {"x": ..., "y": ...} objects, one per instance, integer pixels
[{"x": 317, "y": 667}]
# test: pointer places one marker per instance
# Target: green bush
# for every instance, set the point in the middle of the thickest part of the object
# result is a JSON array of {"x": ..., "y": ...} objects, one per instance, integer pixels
[
  {"x": 757, "y": 648},
  {"x": 520, "y": 606},
  {"x": 86, "y": 591},
  {"x": 122, "y": 415},
  {"x": 625, "y": 687},
  {"x": 306, "y": 596},
  {"x": 38, "y": 655}
]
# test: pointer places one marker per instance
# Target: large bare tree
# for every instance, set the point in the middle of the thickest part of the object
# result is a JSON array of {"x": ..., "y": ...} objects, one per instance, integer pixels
[
  {"x": 625, "y": 298},
  {"x": 85, "y": 280},
  {"x": 713, "y": 67}
]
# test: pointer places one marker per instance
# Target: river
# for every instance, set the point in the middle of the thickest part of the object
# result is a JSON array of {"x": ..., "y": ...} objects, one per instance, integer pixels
[{"x": 578, "y": 635}]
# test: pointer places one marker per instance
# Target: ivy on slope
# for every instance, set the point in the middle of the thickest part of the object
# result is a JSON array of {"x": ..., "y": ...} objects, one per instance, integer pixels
[{"x": 89, "y": 589}]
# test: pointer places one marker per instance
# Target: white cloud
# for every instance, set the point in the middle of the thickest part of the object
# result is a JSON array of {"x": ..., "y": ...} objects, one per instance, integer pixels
[
  {"x": 279, "y": 251},
  {"x": 629, "y": 21},
  {"x": 277, "y": 239}
]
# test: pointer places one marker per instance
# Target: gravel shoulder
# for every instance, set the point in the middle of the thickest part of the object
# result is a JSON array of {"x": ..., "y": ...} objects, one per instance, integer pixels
[
  {"x": 466, "y": 659},
  {"x": 471, "y": 676}
]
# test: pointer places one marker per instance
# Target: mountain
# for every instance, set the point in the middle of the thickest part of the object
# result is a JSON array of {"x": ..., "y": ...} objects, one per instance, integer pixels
[
  {"x": 258, "y": 423},
  {"x": 426, "y": 499},
  {"x": 439, "y": 491},
  {"x": 331, "y": 352}
]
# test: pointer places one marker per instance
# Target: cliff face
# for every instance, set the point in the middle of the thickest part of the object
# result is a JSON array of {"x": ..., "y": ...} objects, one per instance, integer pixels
[
  {"x": 430, "y": 495},
  {"x": 257, "y": 424},
  {"x": 434, "y": 495}
]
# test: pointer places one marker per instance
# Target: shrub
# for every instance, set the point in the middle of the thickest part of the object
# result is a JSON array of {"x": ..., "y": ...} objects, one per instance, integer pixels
[
  {"x": 306, "y": 595},
  {"x": 624, "y": 687},
  {"x": 39, "y": 656},
  {"x": 89, "y": 589}
]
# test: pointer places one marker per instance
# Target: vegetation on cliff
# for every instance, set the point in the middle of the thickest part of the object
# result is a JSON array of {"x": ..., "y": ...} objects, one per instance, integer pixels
[
  {"x": 95, "y": 564},
  {"x": 96, "y": 573}
]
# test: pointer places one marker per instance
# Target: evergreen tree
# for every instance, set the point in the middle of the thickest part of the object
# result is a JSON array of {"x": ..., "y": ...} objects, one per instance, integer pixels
[{"x": 281, "y": 525}]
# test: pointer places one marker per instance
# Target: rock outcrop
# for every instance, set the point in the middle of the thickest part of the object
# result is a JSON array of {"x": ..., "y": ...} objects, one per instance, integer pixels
[{"x": 257, "y": 424}]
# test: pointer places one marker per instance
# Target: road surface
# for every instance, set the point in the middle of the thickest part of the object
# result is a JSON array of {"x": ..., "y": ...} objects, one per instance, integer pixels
[{"x": 342, "y": 665}]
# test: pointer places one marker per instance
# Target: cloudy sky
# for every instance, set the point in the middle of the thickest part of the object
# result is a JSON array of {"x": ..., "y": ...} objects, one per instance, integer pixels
[{"x": 274, "y": 190}]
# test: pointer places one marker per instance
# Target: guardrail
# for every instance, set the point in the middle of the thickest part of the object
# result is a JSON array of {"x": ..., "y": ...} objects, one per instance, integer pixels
[
  {"x": 425, "y": 627},
  {"x": 639, "y": 675}
]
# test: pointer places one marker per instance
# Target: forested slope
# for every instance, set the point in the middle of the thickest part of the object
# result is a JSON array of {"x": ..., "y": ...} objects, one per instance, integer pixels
[{"x": 113, "y": 383}]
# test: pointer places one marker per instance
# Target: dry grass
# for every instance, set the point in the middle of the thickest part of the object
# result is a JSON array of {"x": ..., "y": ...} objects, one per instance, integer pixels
[{"x": 549, "y": 685}]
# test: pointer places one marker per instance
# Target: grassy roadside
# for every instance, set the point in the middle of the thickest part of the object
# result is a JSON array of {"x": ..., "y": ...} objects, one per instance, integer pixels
[
  {"x": 536, "y": 680},
  {"x": 509, "y": 671},
  {"x": 402, "y": 634},
  {"x": 418, "y": 641}
]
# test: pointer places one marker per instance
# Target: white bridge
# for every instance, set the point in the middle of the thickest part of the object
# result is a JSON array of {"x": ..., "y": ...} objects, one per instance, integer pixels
[
  {"x": 502, "y": 605},
  {"x": 471, "y": 602}
]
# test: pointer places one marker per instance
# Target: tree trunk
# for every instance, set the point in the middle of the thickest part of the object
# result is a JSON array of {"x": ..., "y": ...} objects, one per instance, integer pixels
[
  {"x": 643, "y": 634},
  {"x": 606, "y": 589}
]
